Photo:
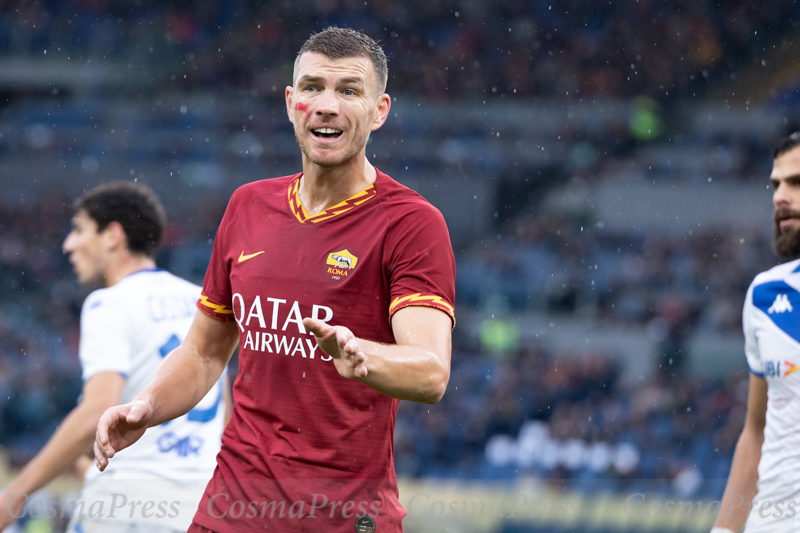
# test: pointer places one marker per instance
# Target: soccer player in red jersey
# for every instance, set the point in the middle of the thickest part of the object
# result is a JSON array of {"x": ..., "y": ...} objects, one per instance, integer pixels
[{"x": 338, "y": 285}]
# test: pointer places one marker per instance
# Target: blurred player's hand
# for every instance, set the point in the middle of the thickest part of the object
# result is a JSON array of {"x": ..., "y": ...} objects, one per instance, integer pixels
[
  {"x": 340, "y": 343},
  {"x": 118, "y": 428},
  {"x": 11, "y": 506}
]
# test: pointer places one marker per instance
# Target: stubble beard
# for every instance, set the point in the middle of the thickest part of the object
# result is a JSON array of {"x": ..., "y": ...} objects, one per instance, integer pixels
[
  {"x": 786, "y": 243},
  {"x": 354, "y": 149}
]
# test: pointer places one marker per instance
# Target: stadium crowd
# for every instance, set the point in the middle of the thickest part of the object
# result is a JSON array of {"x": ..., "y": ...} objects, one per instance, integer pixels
[
  {"x": 438, "y": 49},
  {"x": 571, "y": 421},
  {"x": 674, "y": 427},
  {"x": 560, "y": 266},
  {"x": 638, "y": 278}
]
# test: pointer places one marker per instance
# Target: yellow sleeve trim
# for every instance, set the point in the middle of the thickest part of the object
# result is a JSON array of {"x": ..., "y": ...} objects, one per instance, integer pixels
[
  {"x": 216, "y": 308},
  {"x": 420, "y": 299}
]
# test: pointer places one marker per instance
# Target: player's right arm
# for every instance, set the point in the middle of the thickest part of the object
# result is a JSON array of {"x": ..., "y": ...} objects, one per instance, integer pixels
[
  {"x": 741, "y": 487},
  {"x": 182, "y": 380}
]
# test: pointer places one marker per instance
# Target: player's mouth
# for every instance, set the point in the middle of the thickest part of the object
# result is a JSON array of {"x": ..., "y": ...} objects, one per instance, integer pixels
[
  {"x": 786, "y": 218},
  {"x": 326, "y": 134}
]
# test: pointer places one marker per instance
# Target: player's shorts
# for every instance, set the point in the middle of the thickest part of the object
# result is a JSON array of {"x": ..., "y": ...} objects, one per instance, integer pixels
[{"x": 90, "y": 525}]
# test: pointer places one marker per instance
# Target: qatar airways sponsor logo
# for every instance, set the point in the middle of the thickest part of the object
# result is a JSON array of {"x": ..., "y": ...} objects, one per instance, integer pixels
[{"x": 283, "y": 323}]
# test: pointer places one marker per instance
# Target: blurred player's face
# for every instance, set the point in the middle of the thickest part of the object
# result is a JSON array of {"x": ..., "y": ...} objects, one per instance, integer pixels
[
  {"x": 86, "y": 249},
  {"x": 334, "y": 105},
  {"x": 785, "y": 179}
]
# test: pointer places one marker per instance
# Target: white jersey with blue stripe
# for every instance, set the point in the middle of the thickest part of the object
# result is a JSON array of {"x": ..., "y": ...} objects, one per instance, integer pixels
[
  {"x": 130, "y": 328},
  {"x": 771, "y": 321}
]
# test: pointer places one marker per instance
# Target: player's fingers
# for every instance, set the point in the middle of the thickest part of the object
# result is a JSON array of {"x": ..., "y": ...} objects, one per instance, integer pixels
[
  {"x": 103, "y": 439},
  {"x": 344, "y": 336},
  {"x": 317, "y": 327},
  {"x": 102, "y": 427},
  {"x": 108, "y": 451},
  {"x": 350, "y": 347},
  {"x": 360, "y": 371},
  {"x": 100, "y": 456}
]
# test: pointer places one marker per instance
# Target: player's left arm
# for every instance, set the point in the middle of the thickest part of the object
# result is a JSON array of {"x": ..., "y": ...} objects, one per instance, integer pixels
[
  {"x": 417, "y": 368},
  {"x": 228, "y": 396},
  {"x": 72, "y": 439}
]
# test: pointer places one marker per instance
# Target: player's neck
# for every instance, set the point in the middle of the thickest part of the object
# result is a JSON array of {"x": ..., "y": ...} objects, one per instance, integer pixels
[
  {"x": 323, "y": 187},
  {"x": 126, "y": 264}
]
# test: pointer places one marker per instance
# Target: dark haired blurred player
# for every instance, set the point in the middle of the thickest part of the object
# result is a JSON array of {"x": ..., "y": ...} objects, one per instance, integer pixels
[
  {"x": 310, "y": 443},
  {"x": 764, "y": 484},
  {"x": 127, "y": 328}
]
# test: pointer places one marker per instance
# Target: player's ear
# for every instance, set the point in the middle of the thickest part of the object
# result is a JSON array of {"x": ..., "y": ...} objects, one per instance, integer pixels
[
  {"x": 384, "y": 104},
  {"x": 289, "y": 97},
  {"x": 114, "y": 236}
]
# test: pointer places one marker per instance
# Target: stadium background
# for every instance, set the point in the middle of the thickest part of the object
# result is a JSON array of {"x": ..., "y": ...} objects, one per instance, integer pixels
[{"x": 603, "y": 168}]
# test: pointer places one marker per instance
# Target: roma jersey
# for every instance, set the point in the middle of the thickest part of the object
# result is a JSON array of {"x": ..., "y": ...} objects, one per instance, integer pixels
[
  {"x": 771, "y": 320},
  {"x": 306, "y": 449}
]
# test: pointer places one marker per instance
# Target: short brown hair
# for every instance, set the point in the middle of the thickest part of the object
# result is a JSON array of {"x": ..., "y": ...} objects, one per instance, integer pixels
[
  {"x": 786, "y": 144},
  {"x": 340, "y": 43},
  {"x": 134, "y": 205}
]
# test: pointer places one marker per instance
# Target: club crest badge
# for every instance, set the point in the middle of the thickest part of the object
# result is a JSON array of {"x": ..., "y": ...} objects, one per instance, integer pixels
[
  {"x": 365, "y": 524},
  {"x": 340, "y": 265}
]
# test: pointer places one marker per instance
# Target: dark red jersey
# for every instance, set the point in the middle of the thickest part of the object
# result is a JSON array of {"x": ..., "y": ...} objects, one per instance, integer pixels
[{"x": 306, "y": 449}]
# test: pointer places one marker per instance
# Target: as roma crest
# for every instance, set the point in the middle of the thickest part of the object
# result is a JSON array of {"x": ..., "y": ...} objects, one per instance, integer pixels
[{"x": 340, "y": 265}]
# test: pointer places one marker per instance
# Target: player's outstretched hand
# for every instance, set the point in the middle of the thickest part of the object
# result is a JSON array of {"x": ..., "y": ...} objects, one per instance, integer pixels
[
  {"x": 118, "y": 428},
  {"x": 340, "y": 343}
]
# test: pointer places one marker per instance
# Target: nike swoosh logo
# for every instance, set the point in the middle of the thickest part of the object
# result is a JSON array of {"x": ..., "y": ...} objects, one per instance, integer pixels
[{"x": 243, "y": 257}]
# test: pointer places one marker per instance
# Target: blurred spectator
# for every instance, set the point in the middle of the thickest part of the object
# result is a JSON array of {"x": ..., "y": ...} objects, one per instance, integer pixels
[
  {"x": 212, "y": 117},
  {"x": 437, "y": 49}
]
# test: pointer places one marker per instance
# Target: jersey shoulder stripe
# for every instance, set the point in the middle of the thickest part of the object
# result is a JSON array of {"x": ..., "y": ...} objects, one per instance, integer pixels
[
  {"x": 425, "y": 300},
  {"x": 780, "y": 302},
  {"x": 214, "y": 310}
]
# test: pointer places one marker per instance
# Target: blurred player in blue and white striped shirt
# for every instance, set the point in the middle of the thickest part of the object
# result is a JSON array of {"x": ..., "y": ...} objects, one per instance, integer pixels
[
  {"x": 764, "y": 483},
  {"x": 128, "y": 327}
]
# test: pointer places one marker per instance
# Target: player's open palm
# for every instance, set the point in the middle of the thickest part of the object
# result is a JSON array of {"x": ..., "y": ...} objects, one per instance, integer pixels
[
  {"x": 118, "y": 428},
  {"x": 340, "y": 343}
]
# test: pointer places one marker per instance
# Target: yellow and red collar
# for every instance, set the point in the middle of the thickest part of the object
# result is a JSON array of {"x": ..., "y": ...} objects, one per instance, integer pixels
[{"x": 351, "y": 203}]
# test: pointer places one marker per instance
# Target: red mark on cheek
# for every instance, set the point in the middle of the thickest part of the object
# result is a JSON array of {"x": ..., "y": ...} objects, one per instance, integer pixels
[{"x": 302, "y": 107}]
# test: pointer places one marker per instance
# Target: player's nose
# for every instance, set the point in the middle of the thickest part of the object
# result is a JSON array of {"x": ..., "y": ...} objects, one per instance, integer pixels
[
  {"x": 781, "y": 197},
  {"x": 328, "y": 103},
  {"x": 69, "y": 243}
]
